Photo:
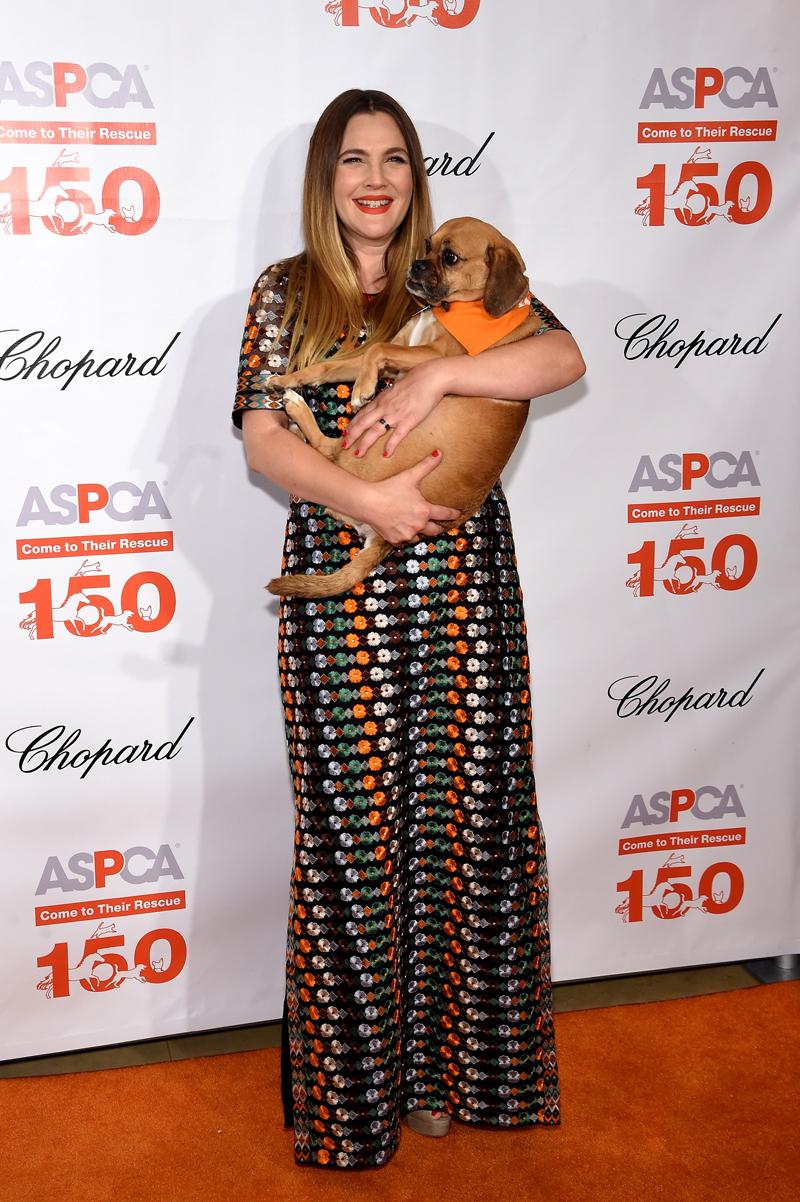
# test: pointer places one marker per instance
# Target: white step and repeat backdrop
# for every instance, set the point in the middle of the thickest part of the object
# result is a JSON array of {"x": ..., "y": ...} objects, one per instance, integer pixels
[{"x": 645, "y": 160}]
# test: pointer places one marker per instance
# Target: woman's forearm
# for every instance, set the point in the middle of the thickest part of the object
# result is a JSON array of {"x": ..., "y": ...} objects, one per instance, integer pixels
[
  {"x": 395, "y": 507},
  {"x": 519, "y": 371},
  {"x": 295, "y": 466}
]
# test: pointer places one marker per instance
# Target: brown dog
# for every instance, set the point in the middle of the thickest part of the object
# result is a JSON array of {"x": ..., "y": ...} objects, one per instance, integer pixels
[{"x": 466, "y": 261}]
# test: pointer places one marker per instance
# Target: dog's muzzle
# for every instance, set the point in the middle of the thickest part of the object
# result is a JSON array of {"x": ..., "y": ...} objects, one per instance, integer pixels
[{"x": 422, "y": 281}]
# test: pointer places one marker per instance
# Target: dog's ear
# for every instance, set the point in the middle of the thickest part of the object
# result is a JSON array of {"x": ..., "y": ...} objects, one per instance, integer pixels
[{"x": 505, "y": 282}]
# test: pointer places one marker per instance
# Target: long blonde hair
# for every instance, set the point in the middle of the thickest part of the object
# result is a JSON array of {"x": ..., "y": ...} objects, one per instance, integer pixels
[{"x": 323, "y": 294}]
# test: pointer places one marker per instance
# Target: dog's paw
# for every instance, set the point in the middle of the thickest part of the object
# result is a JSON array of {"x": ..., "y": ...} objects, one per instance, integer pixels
[
  {"x": 292, "y": 379},
  {"x": 292, "y": 403},
  {"x": 363, "y": 391},
  {"x": 295, "y": 379}
]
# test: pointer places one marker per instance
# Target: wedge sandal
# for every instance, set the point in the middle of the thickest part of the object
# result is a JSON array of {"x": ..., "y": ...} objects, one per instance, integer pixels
[{"x": 423, "y": 1122}]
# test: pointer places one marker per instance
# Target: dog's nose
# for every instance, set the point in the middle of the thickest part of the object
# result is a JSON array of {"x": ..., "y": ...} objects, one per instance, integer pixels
[{"x": 418, "y": 268}]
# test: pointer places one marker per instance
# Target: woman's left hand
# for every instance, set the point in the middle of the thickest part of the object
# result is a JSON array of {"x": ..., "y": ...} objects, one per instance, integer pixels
[{"x": 403, "y": 406}]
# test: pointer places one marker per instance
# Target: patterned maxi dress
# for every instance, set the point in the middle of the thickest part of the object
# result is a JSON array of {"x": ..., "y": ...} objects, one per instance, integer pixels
[{"x": 418, "y": 951}]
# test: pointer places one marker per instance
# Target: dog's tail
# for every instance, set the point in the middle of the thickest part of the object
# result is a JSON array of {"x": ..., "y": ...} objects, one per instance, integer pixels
[{"x": 371, "y": 554}]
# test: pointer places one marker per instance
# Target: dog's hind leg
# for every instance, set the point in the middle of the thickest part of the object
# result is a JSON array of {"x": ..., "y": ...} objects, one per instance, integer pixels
[{"x": 298, "y": 411}]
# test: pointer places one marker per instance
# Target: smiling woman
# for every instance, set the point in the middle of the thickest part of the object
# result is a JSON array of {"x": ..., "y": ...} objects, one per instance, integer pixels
[
  {"x": 356, "y": 154},
  {"x": 418, "y": 954},
  {"x": 372, "y": 189}
]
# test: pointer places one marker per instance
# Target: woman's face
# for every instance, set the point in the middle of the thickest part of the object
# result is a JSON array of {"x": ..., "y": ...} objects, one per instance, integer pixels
[{"x": 372, "y": 184}]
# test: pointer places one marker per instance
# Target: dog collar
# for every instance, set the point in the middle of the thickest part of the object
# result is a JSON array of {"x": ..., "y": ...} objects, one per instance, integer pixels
[{"x": 472, "y": 326}]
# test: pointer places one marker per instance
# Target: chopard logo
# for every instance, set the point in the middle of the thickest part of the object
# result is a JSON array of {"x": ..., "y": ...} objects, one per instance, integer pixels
[
  {"x": 468, "y": 164},
  {"x": 32, "y": 354},
  {"x": 54, "y": 748},
  {"x": 648, "y": 337},
  {"x": 636, "y": 695}
]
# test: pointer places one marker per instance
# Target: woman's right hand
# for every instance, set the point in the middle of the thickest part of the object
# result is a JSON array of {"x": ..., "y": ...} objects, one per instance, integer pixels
[{"x": 397, "y": 510}]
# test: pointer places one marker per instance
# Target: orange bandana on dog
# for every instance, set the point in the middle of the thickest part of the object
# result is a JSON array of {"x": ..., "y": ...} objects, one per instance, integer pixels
[{"x": 472, "y": 326}]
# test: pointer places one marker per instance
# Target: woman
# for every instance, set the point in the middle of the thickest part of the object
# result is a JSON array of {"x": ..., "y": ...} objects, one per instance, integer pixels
[{"x": 417, "y": 966}]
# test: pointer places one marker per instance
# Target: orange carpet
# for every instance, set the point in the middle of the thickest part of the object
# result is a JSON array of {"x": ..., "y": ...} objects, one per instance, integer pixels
[{"x": 691, "y": 1101}]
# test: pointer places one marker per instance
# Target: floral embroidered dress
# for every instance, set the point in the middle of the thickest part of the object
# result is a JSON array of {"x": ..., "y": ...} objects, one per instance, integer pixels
[{"x": 418, "y": 950}]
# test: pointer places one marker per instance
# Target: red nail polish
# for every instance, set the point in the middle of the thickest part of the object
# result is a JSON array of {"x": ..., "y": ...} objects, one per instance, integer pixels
[
  {"x": 386, "y": 454},
  {"x": 344, "y": 442},
  {"x": 435, "y": 453},
  {"x": 356, "y": 452}
]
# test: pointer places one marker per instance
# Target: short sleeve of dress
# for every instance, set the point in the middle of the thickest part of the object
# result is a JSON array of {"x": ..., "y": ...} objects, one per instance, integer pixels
[
  {"x": 264, "y": 352},
  {"x": 546, "y": 317}
]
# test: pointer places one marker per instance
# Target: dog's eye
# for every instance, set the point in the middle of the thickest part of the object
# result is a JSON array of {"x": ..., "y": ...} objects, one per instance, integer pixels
[{"x": 449, "y": 258}]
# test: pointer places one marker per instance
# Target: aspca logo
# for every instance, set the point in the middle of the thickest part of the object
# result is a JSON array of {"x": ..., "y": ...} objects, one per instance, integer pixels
[
  {"x": 674, "y": 560},
  {"x": 691, "y": 87},
  {"x": 45, "y": 85},
  {"x": 398, "y": 14},
  {"x": 674, "y": 471},
  {"x": 98, "y": 970},
  {"x": 694, "y": 201},
  {"x": 66, "y": 504},
  {"x": 97, "y": 869},
  {"x": 673, "y": 893},
  {"x": 708, "y": 803}
]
